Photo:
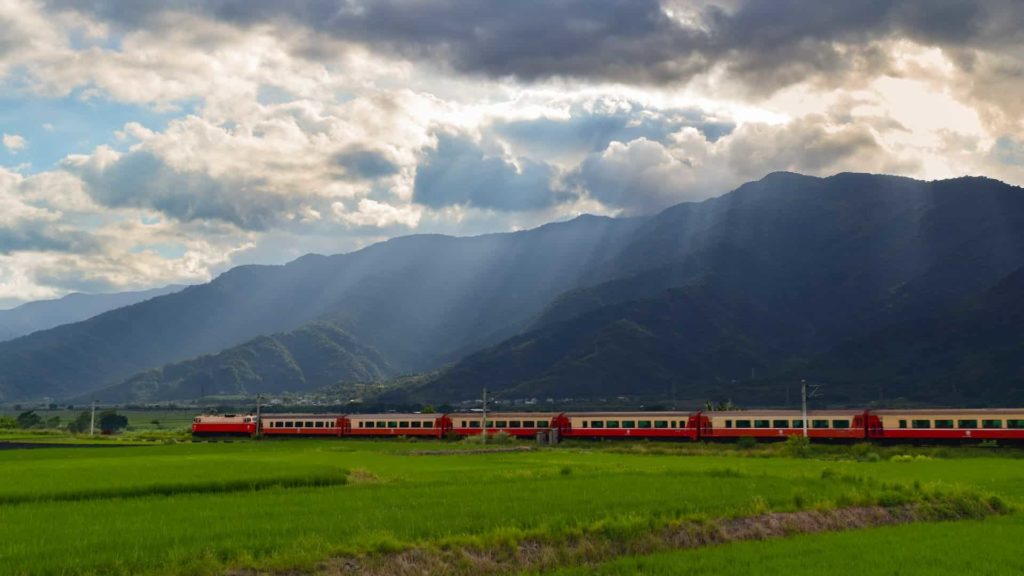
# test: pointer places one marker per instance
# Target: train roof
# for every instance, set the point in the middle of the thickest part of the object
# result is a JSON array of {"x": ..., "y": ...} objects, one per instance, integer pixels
[
  {"x": 631, "y": 413},
  {"x": 950, "y": 411},
  {"x": 395, "y": 415},
  {"x": 495, "y": 414},
  {"x": 791, "y": 413},
  {"x": 299, "y": 415}
]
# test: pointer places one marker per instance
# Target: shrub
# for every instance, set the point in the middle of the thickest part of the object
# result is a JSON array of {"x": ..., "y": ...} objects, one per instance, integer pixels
[
  {"x": 8, "y": 423},
  {"x": 797, "y": 446},
  {"x": 746, "y": 443},
  {"x": 29, "y": 419}
]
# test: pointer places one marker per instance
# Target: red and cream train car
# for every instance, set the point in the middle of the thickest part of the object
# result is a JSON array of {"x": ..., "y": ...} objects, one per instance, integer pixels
[
  {"x": 824, "y": 424},
  {"x": 678, "y": 425},
  {"x": 224, "y": 425},
  {"x": 850, "y": 424},
  {"x": 947, "y": 424},
  {"x": 518, "y": 424}
]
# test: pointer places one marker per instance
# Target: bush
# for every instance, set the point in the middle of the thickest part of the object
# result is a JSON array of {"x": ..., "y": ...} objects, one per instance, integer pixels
[
  {"x": 110, "y": 421},
  {"x": 797, "y": 446},
  {"x": 8, "y": 423},
  {"x": 29, "y": 419},
  {"x": 746, "y": 443}
]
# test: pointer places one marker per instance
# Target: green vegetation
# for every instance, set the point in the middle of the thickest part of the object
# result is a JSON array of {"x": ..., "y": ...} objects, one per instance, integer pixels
[
  {"x": 314, "y": 356},
  {"x": 209, "y": 507},
  {"x": 982, "y": 548}
]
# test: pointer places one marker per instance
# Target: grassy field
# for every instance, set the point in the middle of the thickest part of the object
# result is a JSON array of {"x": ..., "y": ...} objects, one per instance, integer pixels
[
  {"x": 208, "y": 508},
  {"x": 980, "y": 548},
  {"x": 156, "y": 419}
]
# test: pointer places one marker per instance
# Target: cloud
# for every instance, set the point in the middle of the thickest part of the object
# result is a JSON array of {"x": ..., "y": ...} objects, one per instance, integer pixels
[
  {"x": 643, "y": 176},
  {"x": 459, "y": 172},
  {"x": 365, "y": 163},
  {"x": 14, "y": 142}
]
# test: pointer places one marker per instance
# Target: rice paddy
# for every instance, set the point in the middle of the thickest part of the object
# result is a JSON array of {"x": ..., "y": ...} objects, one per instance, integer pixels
[{"x": 213, "y": 508}]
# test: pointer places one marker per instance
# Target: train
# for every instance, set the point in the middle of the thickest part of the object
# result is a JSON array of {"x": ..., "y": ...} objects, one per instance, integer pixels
[{"x": 910, "y": 425}]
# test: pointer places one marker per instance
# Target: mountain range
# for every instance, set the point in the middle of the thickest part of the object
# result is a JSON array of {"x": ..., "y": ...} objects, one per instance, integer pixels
[
  {"x": 881, "y": 287},
  {"x": 43, "y": 314}
]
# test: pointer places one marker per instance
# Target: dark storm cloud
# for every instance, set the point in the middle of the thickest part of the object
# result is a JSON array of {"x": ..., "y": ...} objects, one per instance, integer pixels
[
  {"x": 140, "y": 179},
  {"x": 764, "y": 44},
  {"x": 367, "y": 164},
  {"x": 35, "y": 236},
  {"x": 458, "y": 172}
]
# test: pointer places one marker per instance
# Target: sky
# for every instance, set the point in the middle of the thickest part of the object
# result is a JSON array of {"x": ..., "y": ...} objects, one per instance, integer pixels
[{"x": 151, "y": 142}]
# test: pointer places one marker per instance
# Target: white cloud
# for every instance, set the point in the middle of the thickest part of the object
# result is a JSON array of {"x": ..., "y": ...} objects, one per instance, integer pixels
[{"x": 14, "y": 142}]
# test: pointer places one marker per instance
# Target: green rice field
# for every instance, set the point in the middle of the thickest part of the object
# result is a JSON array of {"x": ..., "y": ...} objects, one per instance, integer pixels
[{"x": 289, "y": 505}]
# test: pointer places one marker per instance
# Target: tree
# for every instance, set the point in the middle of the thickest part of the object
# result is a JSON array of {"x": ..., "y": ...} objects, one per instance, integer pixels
[
  {"x": 428, "y": 409},
  {"x": 111, "y": 421},
  {"x": 8, "y": 423},
  {"x": 29, "y": 419},
  {"x": 80, "y": 424}
]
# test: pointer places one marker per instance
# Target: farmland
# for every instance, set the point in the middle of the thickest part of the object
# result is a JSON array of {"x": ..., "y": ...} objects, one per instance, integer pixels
[{"x": 213, "y": 508}]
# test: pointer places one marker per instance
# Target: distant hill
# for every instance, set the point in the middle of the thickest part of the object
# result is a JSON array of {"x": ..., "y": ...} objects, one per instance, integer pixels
[
  {"x": 419, "y": 301},
  {"x": 834, "y": 260},
  {"x": 684, "y": 340},
  {"x": 317, "y": 355},
  {"x": 813, "y": 263},
  {"x": 972, "y": 353},
  {"x": 44, "y": 314}
]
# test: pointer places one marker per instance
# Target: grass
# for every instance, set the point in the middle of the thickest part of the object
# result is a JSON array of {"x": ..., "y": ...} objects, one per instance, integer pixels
[
  {"x": 980, "y": 548},
  {"x": 206, "y": 508}
]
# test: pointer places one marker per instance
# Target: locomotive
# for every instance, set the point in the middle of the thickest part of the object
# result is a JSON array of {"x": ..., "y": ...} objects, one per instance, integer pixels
[{"x": 965, "y": 425}]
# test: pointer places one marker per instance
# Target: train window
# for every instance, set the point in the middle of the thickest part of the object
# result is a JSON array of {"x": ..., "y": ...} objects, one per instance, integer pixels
[
  {"x": 319, "y": 423},
  {"x": 943, "y": 423},
  {"x": 762, "y": 424},
  {"x": 661, "y": 423},
  {"x": 501, "y": 424},
  {"x": 474, "y": 423},
  {"x": 381, "y": 424},
  {"x": 743, "y": 423},
  {"x": 674, "y": 424},
  {"x": 289, "y": 424},
  {"x": 278, "y": 424},
  {"x": 309, "y": 424},
  {"x": 920, "y": 424},
  {"x": 612, "y": 424},
  {"x": 403, "y": 424},
  {"x": 515, "y": 424},
  {"x": 417, "y": 424},
  {"x": 991, "y": 423},
  {"x": 798, "y": 423},
  {"x": 840, "y": 424},
  {"x": 463, "y": 424},
  {"x": 819, "y": 423},
  {"x": 780, "y": 423},
  {"x": 596, "y": 424},
  {"x": 903, "y": 423},
  {"x": 584, "y": 424},
  {"x": 728, "y": 423},
  {"x": 1015, "y": 424},
  {"x": 629, "y": 423},
  {"x": 966, "y": 423},
  {"x": 543, "y": 423},
  {"x": 643, "y": 424},
  {"x": 392, "y": 424},
  {"x": 529, "y": 424}
]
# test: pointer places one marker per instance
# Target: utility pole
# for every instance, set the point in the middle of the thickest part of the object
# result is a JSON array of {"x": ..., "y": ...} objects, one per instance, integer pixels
[
  {"x": 259, "y": 423},
  {"x": 484, "y": 435},
  {"x": 92, "y": 420},
  {"x": 803, "y": 399},
  {"x": 805, "y": 393}
]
